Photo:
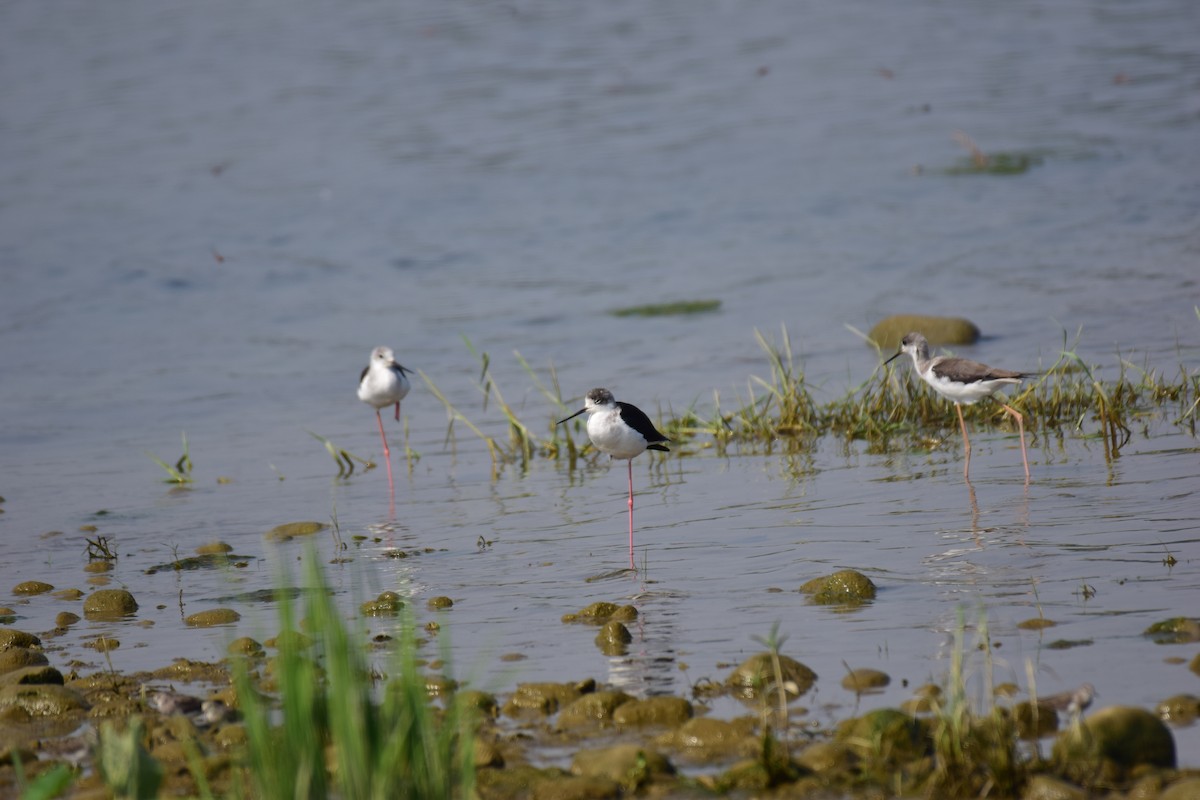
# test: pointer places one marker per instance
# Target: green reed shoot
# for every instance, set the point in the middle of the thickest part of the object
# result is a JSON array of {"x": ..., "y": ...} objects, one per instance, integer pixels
[
  {"x": 342, "y": 457},
  {"x": 330, "y": 715},
  {"x": 181, "y": 472}
]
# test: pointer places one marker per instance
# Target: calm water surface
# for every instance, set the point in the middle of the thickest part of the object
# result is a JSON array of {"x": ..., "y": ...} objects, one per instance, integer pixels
[{"x": 210, "y": 214}]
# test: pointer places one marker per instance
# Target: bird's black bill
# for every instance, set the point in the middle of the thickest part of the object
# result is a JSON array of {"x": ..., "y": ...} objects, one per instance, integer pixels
[
  {"x": 893, "y": 358},
  {"x": 573, "y": 416}
]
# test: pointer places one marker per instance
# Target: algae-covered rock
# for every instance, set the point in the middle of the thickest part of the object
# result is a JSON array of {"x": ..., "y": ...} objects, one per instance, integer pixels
[
  {"x": 613, "y": 638},
  {"x": 1180, "y": 709},
  {"x": 591, "y": 709},
  {"x": 11, "y": 637},
  {"x": 844, "y": 587},
  {"x": 213, "y": 548},
  {"x": 757, "y": 676},
  {"x": 1176, "y": 630},
  {"x": 888, "y": 332},
  {"x": 41, "y": 699},
  {"x": 1045, "y": 787},
  {"x": 628, "y": 764},
  {"x": 41, "y": 673},
  {"x": 483, "y": 702},
  {"x": 663, "y": 711},
  {"x": 65, "y": 619},
  {"x": 1111, "y": 742},
  {"x": 861, "y": 681},
  {"x": 827, "y": 758},
  {"x": 32, "y": 587},
  {"x": 387, "y": 604},
  {"x": 439, "y": 603},
  {"x": 600, "y": 612},
  {"x": 291, "y": 530},
  {"x": 706, "y": 740},
  {"x": 886, "y": 734},
  {"x": 14, "y": 658},
  {"x": 1185, "y": 789},
  {"x": 211, "y": 617},
  {"x": 245, "y": 646},
  {"x": 541, "y": 698},
  {"x": 109, "y": 604}
]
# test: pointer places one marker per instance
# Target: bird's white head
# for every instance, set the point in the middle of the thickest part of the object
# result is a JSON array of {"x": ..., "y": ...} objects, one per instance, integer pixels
[
  {"x": 915, "y": 345},
  {"x": 595, "y": 400},
  {"x": 383, "y": 355}
]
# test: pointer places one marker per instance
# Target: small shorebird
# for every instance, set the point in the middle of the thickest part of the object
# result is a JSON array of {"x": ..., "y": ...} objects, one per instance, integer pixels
[
  {"x": 621, "y": 430},
  {"x": 963, "y": 381},
  {"x": 383, "y": 383}
]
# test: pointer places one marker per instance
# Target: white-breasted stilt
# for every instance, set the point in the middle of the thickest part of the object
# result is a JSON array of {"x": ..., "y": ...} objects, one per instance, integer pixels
[
  {"x": 963, "y": 382},
  {"x": 383, "y": 383},
  {"x": 622, "y": 431}
]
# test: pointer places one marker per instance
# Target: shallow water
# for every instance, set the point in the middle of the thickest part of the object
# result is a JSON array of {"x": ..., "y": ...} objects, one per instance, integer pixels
[{"x": 209, "y": 216}]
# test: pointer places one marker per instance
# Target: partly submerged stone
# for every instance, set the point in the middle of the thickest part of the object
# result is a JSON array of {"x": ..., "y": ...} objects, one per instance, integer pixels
[
  {"x": 41, "y": 699},
  {"x": 14, "y": 658},
  {"x": 601, "y": 612},
  {"x": 387, "y": 604},
  {"x": 613, "y": 638},
  {"x": 32, "y": 587},
  {"x": 865, "y": 680},
  {"x": 1176, "y": 630},
  {"x": 665, "y": 711},
  {"x": 757, "y": 676},
  {"x": 109, "y": 604},
  {"x": 37, "y": 673},
  {"x": 439, "y": 603},
  {"x": 290, "y": 530},
  {"x": 541, "y": 698},
  {"x": 706, "y": 740},
  {"x": 595, "y": 708},
  {"x": 844, "y": 587},
  {"x": 1046, "y": 787},
  {"x": 1111, "y": 742},
  {"x": 1180, "y": 709},
  {"x": 211, "y": 617},
  {"x": 628, "y": 764},
  {"x": 11, "y": 637},
  {"x": 888, "y": 332}
]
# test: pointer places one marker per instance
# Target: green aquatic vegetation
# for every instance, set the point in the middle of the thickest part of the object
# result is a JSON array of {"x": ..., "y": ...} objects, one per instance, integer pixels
[
  {"x": 342, "y": 457},
  {"x": 976, "y": 752},
  {"x": 335, "y": 733},
  {"x": 677, "y": 308},
  {"x": 181, "y": 472},
  {"x": 981, "y": 163},
  {"x": 781, "y": 411}
]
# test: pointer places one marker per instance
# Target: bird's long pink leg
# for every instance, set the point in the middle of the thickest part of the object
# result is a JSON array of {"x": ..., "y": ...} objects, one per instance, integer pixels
[
  {"x": 631, "y": 564},
  {"x": 966, "y": 441},
  {"x": 1021, "y": 429},
  {"x": 386, "y": 453}
]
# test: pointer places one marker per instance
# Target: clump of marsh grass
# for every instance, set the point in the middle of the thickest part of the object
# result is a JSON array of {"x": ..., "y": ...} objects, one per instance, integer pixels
[
  {"x": 181, "y": 472},
  {"x": 976, "y": 753},
  {"x": 332, "y": 735}
]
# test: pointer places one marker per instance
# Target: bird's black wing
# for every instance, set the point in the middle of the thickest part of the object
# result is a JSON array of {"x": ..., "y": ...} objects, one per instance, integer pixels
[{"x": 638, "y": 420}]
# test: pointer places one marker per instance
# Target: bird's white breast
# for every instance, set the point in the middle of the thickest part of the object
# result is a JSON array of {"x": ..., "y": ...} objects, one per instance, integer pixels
[
  {"x": 610, "y": 435},
  {"x": 382, "y": 387}
]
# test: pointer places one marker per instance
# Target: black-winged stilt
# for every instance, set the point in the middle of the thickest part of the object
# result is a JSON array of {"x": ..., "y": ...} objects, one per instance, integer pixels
[
  {"x": 963, "y": 381},
  {"x": 383, "y": 383},
  {"x": 621, "y": 430}
]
